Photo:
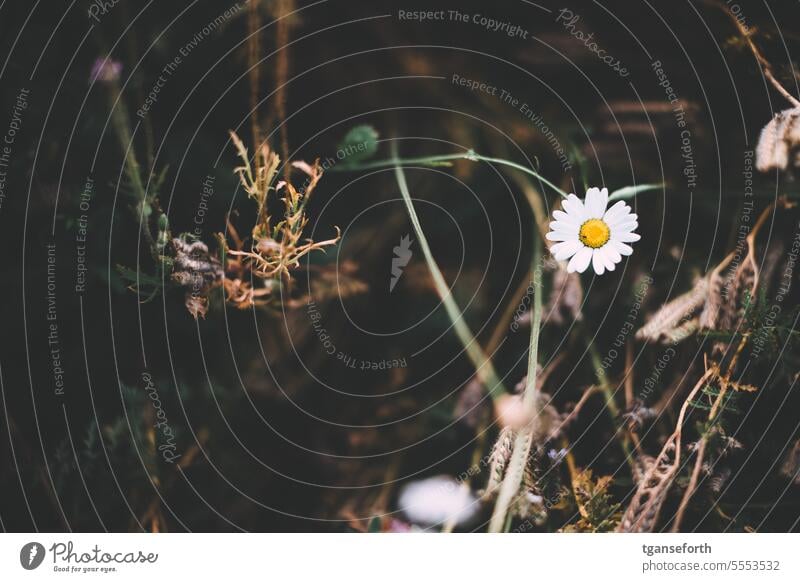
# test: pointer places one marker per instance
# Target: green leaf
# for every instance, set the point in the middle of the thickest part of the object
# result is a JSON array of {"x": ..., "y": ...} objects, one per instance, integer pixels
[
  {"x": 358, "y": 145},
  {"x": 631, "y": 191}
]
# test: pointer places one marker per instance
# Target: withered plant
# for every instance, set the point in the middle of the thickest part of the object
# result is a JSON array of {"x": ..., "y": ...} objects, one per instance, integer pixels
[{"x": 276, "y": 244}]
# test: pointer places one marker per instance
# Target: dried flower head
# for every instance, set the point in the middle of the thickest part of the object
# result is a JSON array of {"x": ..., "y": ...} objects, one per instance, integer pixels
[{"x": 197, "y": 271}]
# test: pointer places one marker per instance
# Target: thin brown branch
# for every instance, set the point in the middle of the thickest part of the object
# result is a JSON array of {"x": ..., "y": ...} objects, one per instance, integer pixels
[
  {"x": 283, "y": 8},
  {"x": 253, "y": 55},
  {"x": 766, "y": 67},
  {"x": 589, "y": 392},
  {"x": 701, "y": 449}
]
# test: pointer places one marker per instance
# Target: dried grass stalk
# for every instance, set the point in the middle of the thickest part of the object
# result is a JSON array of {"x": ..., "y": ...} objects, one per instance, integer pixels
[
  {"x": 778, "y": 145},
  {"x": 498, "y": 461},
  {"x": 744, "y": 281},
  {"x": 672, "y": 316},
  {"x": 680, "y": 333},
  {"x": 709, "y": 318}
]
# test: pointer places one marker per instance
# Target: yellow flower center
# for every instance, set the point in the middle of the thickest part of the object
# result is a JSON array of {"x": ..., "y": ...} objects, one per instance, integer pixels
[{"x": 594, "y": 233}]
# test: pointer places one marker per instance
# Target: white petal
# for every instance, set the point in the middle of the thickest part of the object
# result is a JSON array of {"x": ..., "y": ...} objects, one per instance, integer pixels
[
  {"x": 612, "y": 253},
  {"x": 627, "y": 217},
  {"x": 565, "y": 226},
  {"x": 591, "y": 202},
  {"x": 622, "y": 248},
  {"x": 574, "y": 207},
  {"x": 564, "y": 250},
  {"x": 608, "y": 253},
  {"x": 619, "y": 218},
  {"x": 596, "y": 202},
  {"x": 597, "y": 262},
  {"x": 555, "y": 235},
  {"x": 624, "y": 227},
  {"x": 588, "y": 200},
  {"x": 561, "y": 216},
  {"x": 618, "y": 210},
  {"x": 580, "y": 261},
  {"x": 626, "y": 237},
  {"x": 603, "y": 200}
]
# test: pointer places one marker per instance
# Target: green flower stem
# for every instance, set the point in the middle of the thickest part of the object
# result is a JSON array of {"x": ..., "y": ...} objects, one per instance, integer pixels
[
  {"x": 444, "y": 159},
  {"x": 483, "y": 366},
  {"x": 530, "y": 405},
  {"x": 119, "y": 120},
  {"x": 611, "y": 404}
]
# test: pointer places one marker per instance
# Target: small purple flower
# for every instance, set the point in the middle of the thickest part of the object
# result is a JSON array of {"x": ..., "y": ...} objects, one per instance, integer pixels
[
  {"x": 557, "y": 455},
  {"x": 105, "y": 70}
]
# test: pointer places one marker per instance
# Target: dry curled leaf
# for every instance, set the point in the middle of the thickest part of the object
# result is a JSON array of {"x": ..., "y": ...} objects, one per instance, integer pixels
[
  {"x": 642, "y": 465},
  {"x": 642, "y": 513}
]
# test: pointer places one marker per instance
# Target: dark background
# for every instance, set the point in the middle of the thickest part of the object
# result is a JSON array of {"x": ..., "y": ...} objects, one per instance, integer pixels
[{"x": 278, "y": 450}]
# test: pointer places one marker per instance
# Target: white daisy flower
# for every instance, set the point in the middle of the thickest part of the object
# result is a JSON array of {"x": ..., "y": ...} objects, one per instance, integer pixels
[{"x": 586, "y": 232}]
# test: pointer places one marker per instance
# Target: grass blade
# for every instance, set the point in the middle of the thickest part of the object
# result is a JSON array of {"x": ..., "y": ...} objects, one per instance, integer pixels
[{"x": 483, "y": 365}]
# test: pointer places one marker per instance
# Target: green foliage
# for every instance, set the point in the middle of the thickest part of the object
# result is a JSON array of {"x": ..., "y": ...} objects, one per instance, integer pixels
[
  {"x": 629, "y": 192},
  {"x": 598, "y": 511},
  {"x": 708, "y": 394}
]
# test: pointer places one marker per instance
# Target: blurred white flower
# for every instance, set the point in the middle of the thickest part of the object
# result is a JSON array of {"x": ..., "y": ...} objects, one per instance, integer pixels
[
  {"x": 438, "y": 500},
  {"x": 585, "y": 232}
]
